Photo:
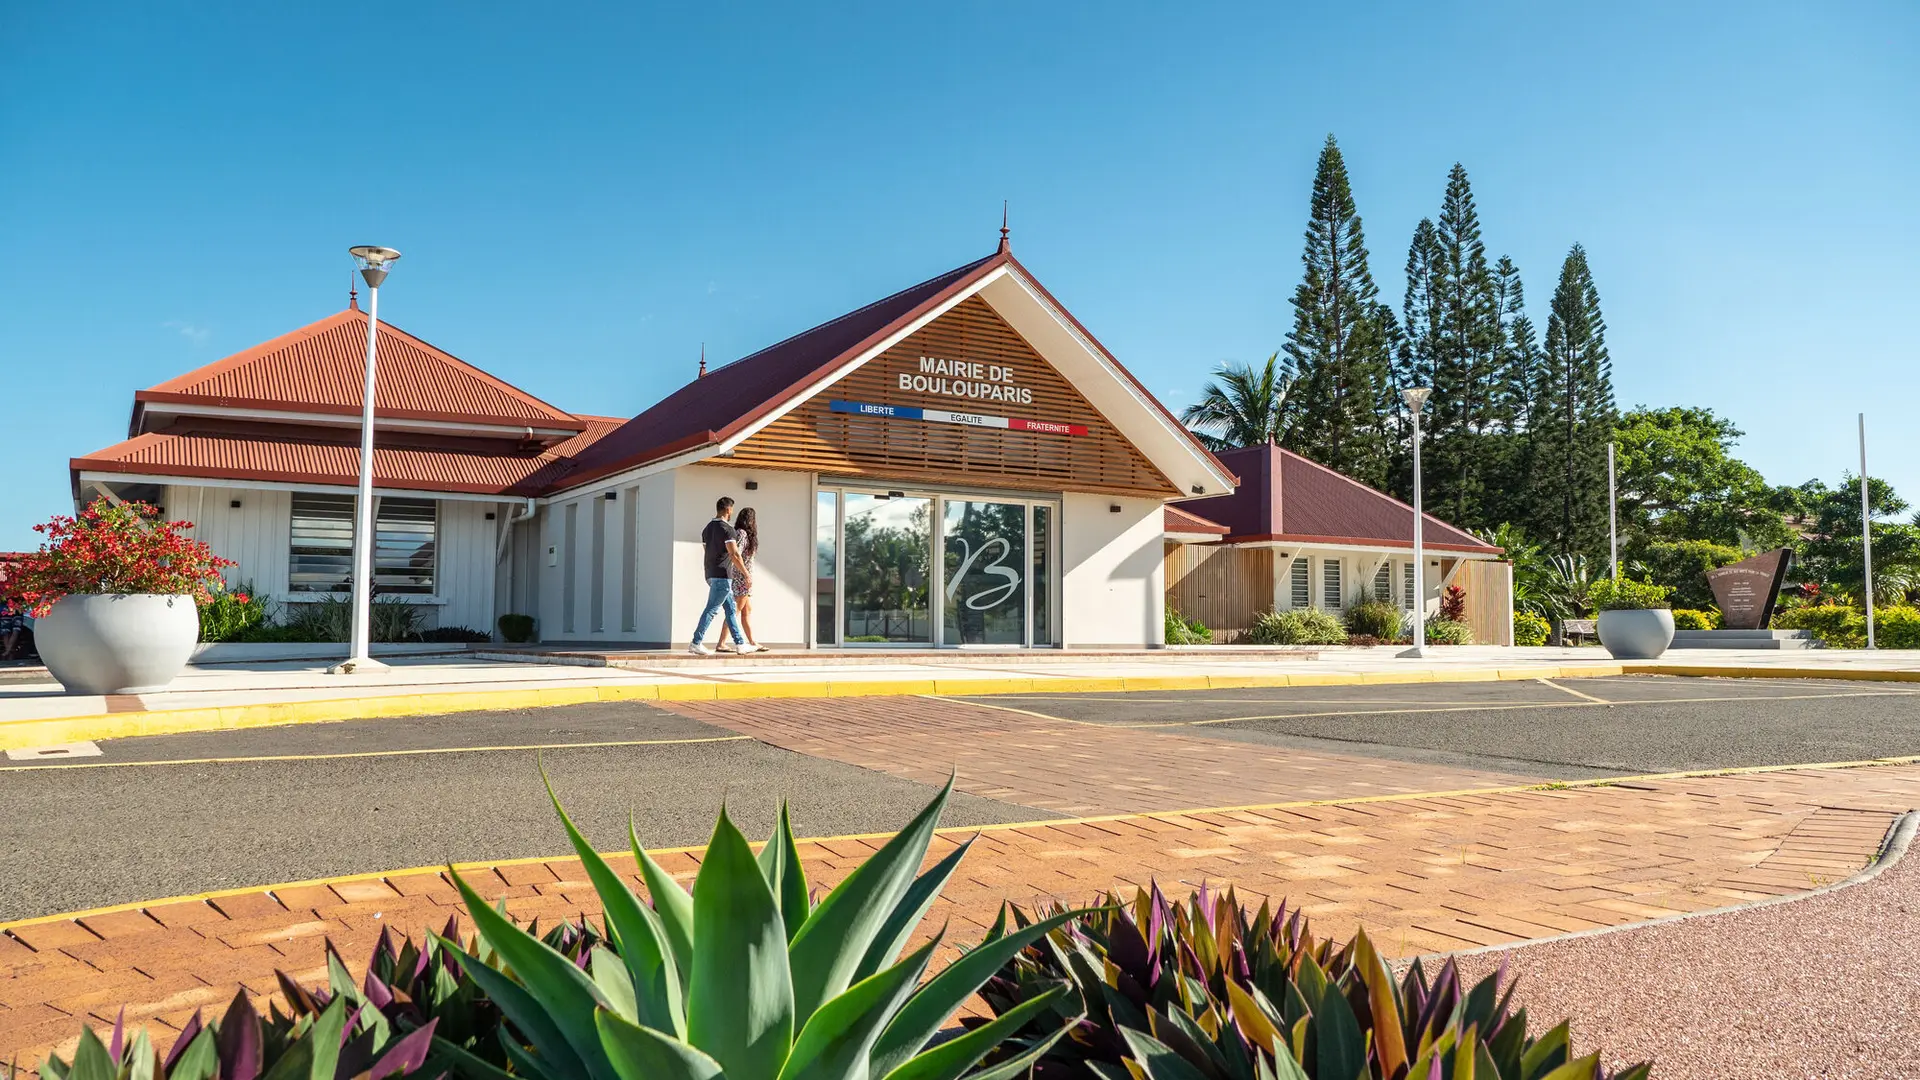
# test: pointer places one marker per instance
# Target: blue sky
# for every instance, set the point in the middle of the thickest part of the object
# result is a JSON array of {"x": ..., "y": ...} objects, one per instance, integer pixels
[{"x": 586, "y": 193}]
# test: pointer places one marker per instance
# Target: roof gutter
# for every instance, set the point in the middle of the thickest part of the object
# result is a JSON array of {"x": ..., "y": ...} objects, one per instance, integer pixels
[{"x": 515, "y": 517}]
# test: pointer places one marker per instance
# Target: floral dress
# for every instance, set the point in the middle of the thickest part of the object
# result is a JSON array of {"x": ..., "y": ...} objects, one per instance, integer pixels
[{"x": 742, "y": 579}]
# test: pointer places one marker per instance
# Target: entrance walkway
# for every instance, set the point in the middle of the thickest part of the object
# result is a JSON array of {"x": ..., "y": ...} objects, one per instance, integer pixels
[{"x": 1424, "y": 873}]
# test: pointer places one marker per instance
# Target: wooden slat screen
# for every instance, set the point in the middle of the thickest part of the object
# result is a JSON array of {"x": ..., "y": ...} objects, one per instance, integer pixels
[
  {"x": 1223, "y": 587},
  {"x": 816, "y": 439},
  {"x": 1489, "y": 602}
]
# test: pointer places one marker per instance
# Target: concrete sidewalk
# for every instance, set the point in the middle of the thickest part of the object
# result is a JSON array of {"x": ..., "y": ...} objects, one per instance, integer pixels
[{"x": 217, "y": 697}]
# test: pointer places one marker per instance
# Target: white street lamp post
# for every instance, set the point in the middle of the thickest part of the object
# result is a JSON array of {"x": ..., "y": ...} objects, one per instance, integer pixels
[
  {"x": 374, "y": 264},
  {"x": 1613, "y": 527},
  {"x": 1866, "y": 531},
  {"x": 1416, "y": 399}
]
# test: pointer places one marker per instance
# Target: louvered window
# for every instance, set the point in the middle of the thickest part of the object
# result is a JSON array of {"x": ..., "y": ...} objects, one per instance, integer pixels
[
  {"x": 321, "y": 558},
  {"x": 1406, "y": 592},
  {"x": 1383, "y": 584},
  {"x": 1330, "y": 594},
  {"x": 1302, "y": 592}
]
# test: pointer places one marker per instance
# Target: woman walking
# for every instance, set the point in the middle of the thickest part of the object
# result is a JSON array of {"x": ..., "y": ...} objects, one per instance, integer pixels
[{"x": 747, "y": 524}]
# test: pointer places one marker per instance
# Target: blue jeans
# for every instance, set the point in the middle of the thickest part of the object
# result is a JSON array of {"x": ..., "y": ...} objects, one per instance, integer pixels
[{"x": 719, "y": 595}]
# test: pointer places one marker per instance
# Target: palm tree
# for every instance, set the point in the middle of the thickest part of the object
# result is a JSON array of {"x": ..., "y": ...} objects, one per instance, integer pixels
[{"x": 1243, "y": 406}]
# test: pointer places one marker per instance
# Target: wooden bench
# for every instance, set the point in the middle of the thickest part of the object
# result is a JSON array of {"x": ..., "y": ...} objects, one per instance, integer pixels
[{"x": 1572, "y": 632}]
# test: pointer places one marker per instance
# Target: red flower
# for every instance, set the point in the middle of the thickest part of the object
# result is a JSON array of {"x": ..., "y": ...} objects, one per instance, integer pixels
[
  {"x": 124, "y": 548},
  {"x": 242, "y": 597}
]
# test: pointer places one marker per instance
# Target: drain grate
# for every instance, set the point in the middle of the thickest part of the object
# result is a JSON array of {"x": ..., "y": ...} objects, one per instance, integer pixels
[{"x": 54, "y": 753}]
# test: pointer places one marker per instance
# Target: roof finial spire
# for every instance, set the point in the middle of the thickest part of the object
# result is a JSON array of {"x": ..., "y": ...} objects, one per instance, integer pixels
[
  {"x": 1005, "y": 246},
  {"x": 353, "y": 292},
  {"x": 703, "y": 359}
]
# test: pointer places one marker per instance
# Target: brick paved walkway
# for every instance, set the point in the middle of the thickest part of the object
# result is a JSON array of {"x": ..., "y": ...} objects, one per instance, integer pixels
[
  {"x": 1067, "y": 767},
  {"x": 1423, "y": 873}
]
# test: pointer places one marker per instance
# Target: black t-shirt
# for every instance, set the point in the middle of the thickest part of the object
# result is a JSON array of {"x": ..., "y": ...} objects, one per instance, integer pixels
[{"x": 717, "y": 535}]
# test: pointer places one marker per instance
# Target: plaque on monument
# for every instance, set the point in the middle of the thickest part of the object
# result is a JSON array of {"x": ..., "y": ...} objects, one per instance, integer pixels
[{"x": 1747, "y": 590}]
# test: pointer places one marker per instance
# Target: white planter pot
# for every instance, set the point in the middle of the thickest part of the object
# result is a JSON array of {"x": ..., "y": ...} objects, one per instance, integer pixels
[
  {"x": 1636, "y": 634},
  {"x": 117, "y": 644}
]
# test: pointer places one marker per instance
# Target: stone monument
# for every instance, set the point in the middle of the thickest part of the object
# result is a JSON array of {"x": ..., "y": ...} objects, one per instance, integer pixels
[{"x": 1747, "y": 590}]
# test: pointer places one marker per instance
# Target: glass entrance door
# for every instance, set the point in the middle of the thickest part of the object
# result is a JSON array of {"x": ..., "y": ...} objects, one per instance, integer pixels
[
  {"x": 948, "y": 570},
  {"x": 886, "y": 563},
  {"x": 984, "y": 572}
]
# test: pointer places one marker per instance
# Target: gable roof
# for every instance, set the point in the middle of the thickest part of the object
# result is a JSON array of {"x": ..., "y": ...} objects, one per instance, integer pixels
[
  {"x": 728, "y": 402},
  {"x": 1289, "y": 498},
  {"x": 321, "y": 368}
]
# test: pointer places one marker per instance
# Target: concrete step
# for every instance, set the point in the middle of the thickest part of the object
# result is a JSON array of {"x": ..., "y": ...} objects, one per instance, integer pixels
[{"x": 1743, "y": 639}]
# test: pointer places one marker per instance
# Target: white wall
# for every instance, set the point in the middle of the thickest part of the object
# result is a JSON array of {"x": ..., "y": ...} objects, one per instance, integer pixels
[
  {"x": 782, "y": 571},
  {"x": 255, "y": 535},
  {"x": 1113, "y": 589},
  {"x": 464, "y": 574}
]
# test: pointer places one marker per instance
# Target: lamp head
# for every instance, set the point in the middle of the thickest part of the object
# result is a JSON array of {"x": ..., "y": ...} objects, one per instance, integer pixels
[
  {"x": 1416, "y": 397},
  {"x": 374, "y": 262}
]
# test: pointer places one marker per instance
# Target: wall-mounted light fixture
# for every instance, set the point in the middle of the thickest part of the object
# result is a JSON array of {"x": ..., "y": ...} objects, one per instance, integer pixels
[
  {"x": 1197, "y": 490},
  {"x": 1114, "y": 509},
  {"x": 233, "y": 504},
  {"x": 753, "y": 485},
  {"x": 610, "y": 496},
  {"x": 489, "y": 515}
]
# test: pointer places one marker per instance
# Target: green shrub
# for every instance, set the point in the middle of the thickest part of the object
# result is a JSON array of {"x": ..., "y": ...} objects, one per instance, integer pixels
[
  {"x": 463, "y": 634},
  {"x": 1302, "y": 627},
  {"x": 1682, "y": 565},
  {"x": 1836, "y": 626},
  {"x": 1374, "y": 619},
  {"x": 1181, "y": 631},
  {"x": 1896, "y": 627},
  {"x": 1626, "y": 594},
  {"x": 330, "y": 618},
  {"x": 1448, "y": 632},
  {"x": 1202, "y": 989},
  {"x": 517, "y": 628},
  {"x": 747, "y": 976},
  {"x": 232, "y": 611},
  {"x": 1530, "y": 629},
  {"x": 1692, "y": 619}
]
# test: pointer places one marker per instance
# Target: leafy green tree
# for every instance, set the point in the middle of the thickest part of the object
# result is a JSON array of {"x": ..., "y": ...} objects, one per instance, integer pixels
[
  {"x": 1340, "y": 345},
  {"x": 1831, "y": 556},
  {"x": 1243, "y": 405},
  {"x": 1680, "y": 565},
  {"x": 1678, "y": 481},
  {"x": 1573, "y": 418}
]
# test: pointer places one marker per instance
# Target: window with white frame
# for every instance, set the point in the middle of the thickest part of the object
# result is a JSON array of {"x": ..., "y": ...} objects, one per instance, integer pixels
[
  {"x": 1406, "y": 592},
  {"x": 320, "y": 555},
  {"x": 1330, "y": 592},
  {"x": 1302, "y": 585},
  {"x": 1383, "y": 583}
]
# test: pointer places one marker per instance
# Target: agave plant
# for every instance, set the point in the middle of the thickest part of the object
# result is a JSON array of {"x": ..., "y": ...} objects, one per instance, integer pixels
[
  {"x": 1199, "y": 991},
  {"x": 749, "y": 977}
]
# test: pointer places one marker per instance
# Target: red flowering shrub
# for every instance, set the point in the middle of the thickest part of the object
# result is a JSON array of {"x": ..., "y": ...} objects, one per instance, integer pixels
[
  {"x": 112, "y": 549},
  {"x": 1453, "y": 604}
]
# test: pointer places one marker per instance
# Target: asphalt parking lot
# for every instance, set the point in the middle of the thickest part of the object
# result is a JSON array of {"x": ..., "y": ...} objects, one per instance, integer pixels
[
  {"x": 170, "y": 815},
  {"x": 1565, "y": 728}
]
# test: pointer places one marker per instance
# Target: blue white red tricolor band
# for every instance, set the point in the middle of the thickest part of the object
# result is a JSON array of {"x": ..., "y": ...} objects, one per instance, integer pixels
[{"x": 943, "y": 416}]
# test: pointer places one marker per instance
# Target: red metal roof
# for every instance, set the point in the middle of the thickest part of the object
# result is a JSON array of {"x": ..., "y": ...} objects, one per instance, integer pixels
[
  {"x": 1283, "y": 496},
  {"x": 321, "y": 367},
  {"x": 731, "y": 398},
  {"x": 228, "y": 450},
  {"x": 1185, "y": 521}
]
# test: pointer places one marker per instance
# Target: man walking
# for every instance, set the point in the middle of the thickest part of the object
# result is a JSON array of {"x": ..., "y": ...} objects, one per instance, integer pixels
[{"x": 722, "y": 551}]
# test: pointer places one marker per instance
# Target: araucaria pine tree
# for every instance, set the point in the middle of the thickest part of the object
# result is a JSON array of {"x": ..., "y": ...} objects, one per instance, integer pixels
[
  {"x": 1462, "y": 454},
  {"x": 1341, "y": 342},
  {"x": 1572, "y": 418},
  {"x": 1516, "y": 379}
]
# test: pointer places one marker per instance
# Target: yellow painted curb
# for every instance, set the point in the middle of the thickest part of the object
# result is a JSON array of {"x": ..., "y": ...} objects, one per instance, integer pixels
[{"x": 19, "y": 734}]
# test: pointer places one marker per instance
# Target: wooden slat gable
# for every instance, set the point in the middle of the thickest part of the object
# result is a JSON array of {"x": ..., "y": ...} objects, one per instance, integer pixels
[{"x": 815, "y": 439}]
